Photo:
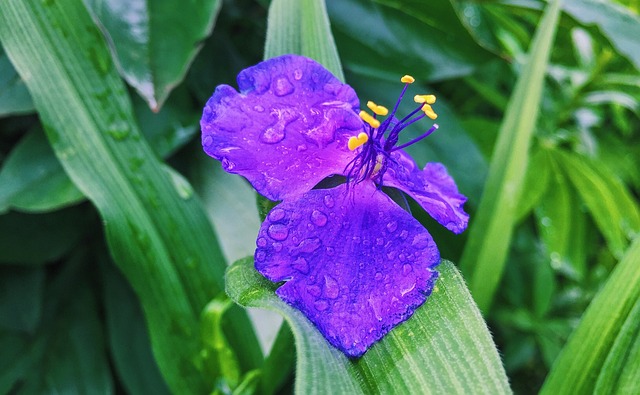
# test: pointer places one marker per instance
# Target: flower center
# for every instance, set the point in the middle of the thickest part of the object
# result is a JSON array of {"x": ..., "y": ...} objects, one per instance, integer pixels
[{"x": 380, "y": 138}]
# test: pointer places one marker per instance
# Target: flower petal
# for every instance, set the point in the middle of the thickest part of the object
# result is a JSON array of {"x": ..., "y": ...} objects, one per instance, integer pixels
[
  {"x": 288, "y": 128},
  {"x": 433, "y": 188},
  {"x": 356, "y": 264}
]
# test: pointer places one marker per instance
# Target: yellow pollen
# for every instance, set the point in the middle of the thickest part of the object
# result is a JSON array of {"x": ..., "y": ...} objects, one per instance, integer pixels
[
  {"x": 429, "y": 99},
  {"x": 374, "y": 123},
  {"x": 357, "y": 141},
  {"x": 407, "y": 79},
  {"x": 378, "y": 110},
  {"x": 428, "y": 111},
  {"x": 378, "y": 166}
]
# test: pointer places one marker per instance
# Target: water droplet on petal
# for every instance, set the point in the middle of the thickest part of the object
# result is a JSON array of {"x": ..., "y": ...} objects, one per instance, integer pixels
[
  {"x": 406, "y": 269},
  {"x": 282, "y": 86},
  {"x": 227, "y": 165},
  {"x": 262, "y": 242},
  {"x": 378, "y": 276},
  {"x": 208, "y": 140},
  {"x": 278, "y": 232},
  {"x": 272, "y": 135},
  {"x": 331, "y": 288},
  {"x": 258, "y": 108},
  {"x": 302, "y": 147},
  {"x": 301, "y": 265},
  {"x": 260, "y": 255},
  {"x": 319, "y": 218},
  {"x": 276, "y": 214},
  {"x": 408, "y": 288},
  {"x": 356, "y": 239},
  {"x": 314, "y": 290},
  {"x": 277, "y": 247},
  {"x": 379, "y": 241},
  {"x": 328, "y": 201},
  {"x": 376, "y": 306},
  {"x": 404, "y": 234},
  {"x": 297, "y": 74},
  {"x": 402, "y": 257},
  {"x": 330, "y": 251},
  {"x": 392, "y": 226},
  {"x": 321, "y": 305}
]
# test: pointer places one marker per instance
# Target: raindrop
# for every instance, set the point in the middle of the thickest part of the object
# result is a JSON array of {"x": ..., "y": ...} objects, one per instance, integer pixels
[
  {"x": 330, "y": 251},
  {"x": 408, "y": 288},
  {"x": 379, "y": 241},
  {"x": 392, "y": 226},
  {"x": 297, "y": 74},
  {"x": 321, "y": 305},
  {"x": 260, "y": 255},
  {"x": 402, "y": 257},
  {"x": 546, "y": 221},
  {"x": 406, "y": 269},
  {"x": 356, "y": 239},
  {"x": 272, "y": 135},
  {"x": 314, "y": 290},
  {"x": 277, "y": 247},
  {"x": 319, "y": 218},
  {"x": 302, "y": 147},
  {"x": 378, "y": 276},
  {"x": 331, "y": 288},
  {"x": 301, "y": 265},
  {"x": 404, "y": 234},
  {"x": 227, "y": 165},
  {"x": 391, "y": 255},
  {"x": 208, "y": 140},
  {"x": 328, "y": 201},
  {"x": 276, "y": 214},
  {"x": 377, "y": 308},
  {"x": 261, "y": 242},
  {"x": 278, "y": 232},
  {"x": 258, "y": 108},
  {"x": 282, "y": 87}
]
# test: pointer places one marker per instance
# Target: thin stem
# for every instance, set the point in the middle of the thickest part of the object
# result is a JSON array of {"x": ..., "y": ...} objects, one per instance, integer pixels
[{"x": 428, "y": 132}]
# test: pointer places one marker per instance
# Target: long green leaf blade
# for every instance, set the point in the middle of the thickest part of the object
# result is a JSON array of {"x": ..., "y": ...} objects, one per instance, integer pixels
[
  {"x": 582, "y": 361},
  {"x": 156, "y": 229},
  {"x": 485, "y": 255},
  {"x": 444, "y": 347}
]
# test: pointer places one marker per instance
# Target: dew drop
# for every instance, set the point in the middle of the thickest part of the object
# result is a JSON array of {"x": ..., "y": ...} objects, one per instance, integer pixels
[
  {"x": 408, "y": 288},
  {"x": 261, "y": 242},
  {"x": 318, "y": 218},
  {"x": 402, "y": 257},
  {"x": 277, "y": 247},
  {"x": 356, "y": 239},
  {"x": 378, "y": 276},
  {"x": 376, "y": 306},
  {"x": 406, "y": 269},
  {"x": 282, "y": 87},
  {"x": 278, "y": 232},
  {"x": 379, "y": 241},
  {"x": 301, "y": 265},
  {"x": 321, "y": 305},
  {"x": 302, "y": 147},
  {"x": 392, "y": 226},
  {"x": 207, "y": 141},
  {"x": 314, "y": 290},
  {"x": 328, "y": 201},
  {"x": 258, "y": 108},
  {"x": 391, "y": 255},
  {"x": 227, "y": 164},
  {"x": 260, "y": 255},
  {"x": 330, "y": 251},
  {"x": 276, "y": 214},
  {"x": 297, "y": 74},
  {"x": 331, "y": 288},
  {"x": 404, "y": 234},
  {"x": 272, "y": 135}
]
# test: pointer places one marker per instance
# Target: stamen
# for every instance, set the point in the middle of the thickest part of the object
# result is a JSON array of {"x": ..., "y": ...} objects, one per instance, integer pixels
[
  {"x": 365, "y": 116},
  {"x": 407, "y": 79},
  {"x": 429, "y": 99},
  {"x": 378, "y": 110},
  {"x": 356, "y": 141},
  {"x": 428, "y": 110},
  {"x": 428, "y": 132}
]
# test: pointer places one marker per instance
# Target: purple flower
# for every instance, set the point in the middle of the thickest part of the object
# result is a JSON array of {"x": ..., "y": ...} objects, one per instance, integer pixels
[{"x": 352, "y": 260}]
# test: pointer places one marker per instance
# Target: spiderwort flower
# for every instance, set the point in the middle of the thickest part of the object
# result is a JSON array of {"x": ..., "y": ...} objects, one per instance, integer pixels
[{"x": 353, "y": 261}]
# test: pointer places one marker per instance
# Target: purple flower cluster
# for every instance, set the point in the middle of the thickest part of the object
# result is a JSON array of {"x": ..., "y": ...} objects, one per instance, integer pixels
[{"x": 351, "y": 259}]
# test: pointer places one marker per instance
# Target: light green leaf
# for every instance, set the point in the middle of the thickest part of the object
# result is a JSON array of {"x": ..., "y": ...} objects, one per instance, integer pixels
[
  {"x": 14, "y": 96},
  {"x": 605, "y": 339},
  {"x": 154, "y": 42},
  {"x": 444, "y": 347},
  {"x": 535, "y": 184},
  {"x": 486, "y": 251},
  {"x": 158, "y": 233},
  {"x": 302, "y": 27},
  {"x": 612, "y": 207}
]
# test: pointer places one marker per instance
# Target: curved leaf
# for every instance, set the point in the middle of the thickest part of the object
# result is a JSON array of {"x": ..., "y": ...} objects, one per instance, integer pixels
[
  {"x": 154, "y": 42},
  {"x": 444, "y": 347},
  {"x": 157, "y": 230}
]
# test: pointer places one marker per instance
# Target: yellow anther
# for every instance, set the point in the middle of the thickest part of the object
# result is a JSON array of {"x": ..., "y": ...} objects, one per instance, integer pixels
[
  {"x": 428, "y": 111},
  {"x": 357, "y": 141},
  {"x": 407, "y": 79},
  {"x": 374, "y": 123},
  {"x": 430, "y": 99},
  {"x": 378, "y": 110},
  {"x": 378, "y": 166}
]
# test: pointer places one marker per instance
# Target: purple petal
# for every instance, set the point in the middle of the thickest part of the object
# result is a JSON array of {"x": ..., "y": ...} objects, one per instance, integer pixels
[
  {"x": 432, "y": 188},
  {"x": 288, "y": 128},
  {"x": 356, "y": 264}
]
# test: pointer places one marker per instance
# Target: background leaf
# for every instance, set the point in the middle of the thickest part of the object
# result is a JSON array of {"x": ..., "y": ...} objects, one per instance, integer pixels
[
  {"x": 153, "y": 42},
  {"x": 14, "y": 96},
  {"x": 444, "y": 347}
]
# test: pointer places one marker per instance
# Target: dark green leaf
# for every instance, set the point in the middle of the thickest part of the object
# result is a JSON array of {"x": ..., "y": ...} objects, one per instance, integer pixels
[
  {"x": 444, "y": 347},
  {"x": 14, "y": 96},
  {"x": 154, "y": 42},
  {"x": 21, "y": 295},
  {"x": 535, "y": 184}
]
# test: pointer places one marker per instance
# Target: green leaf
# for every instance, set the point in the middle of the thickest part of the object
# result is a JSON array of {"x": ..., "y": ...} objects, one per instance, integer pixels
[
  {"x": 154, "y": 42},
  {"x": 302, "y": 27},
  {"x": 444, "y": 347},
  {"x": 32, "y": 178},
  {"x": 618, "y": 24},
  {"x": 606, "y": 337},
  {"x": 535, "y": 184},
  {"x": 156, "y": 228},
  {"x": 404, "y": 37},
  {"x": 486, "y": 251},
  {"x": 14, "y": 96},
  {"x": 21, "y": 296},
  {"x": 611, "y": 205}
]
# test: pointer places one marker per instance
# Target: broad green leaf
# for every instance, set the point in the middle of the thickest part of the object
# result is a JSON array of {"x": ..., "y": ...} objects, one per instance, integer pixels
[
  {"x": 127, "y": 335},
  {"x": 404, "y": 37},
  {"x": 14, "y": 96},
  {"x": 599, "y": 344},
  {"x": 154, "y": 42},
  {"x": 21, "y": 297},
  {"x": 302, "y": 27},
  {"x": 444, "y": 347},
  {"x": 279, "y": 364},
  {"x": 486, "y": 251},
  {"x": 478, "y": 22},
  {"x": 32, "y": 178},
  {"x": 617, "y": 23},
  {"x": 29, "y": 239},
  {"x": 612, "y": 207},
  {"x": 535, "y": 184},
  {"x": 157, "y": 231}
]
